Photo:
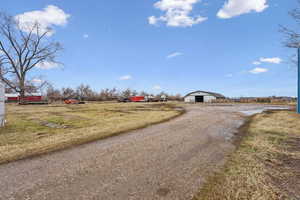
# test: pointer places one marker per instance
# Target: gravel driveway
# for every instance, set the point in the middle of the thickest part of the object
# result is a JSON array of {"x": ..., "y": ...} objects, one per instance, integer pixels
[{"x": 164, "y": 161}]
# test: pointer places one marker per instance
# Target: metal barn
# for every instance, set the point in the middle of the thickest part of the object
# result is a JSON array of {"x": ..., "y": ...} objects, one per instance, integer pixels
[{"x": 202, "y": 96}]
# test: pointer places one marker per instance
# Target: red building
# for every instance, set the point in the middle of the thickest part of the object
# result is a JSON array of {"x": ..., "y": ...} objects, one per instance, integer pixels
[{"x": 32, "y": 97}]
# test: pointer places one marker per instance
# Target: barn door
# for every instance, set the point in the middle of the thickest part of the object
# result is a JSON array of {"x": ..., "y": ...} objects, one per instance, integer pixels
[{"x": 199, "y": 99}]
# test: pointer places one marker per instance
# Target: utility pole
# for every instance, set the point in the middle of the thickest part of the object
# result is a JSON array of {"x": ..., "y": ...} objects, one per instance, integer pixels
[{"x": 298, "y": 97}]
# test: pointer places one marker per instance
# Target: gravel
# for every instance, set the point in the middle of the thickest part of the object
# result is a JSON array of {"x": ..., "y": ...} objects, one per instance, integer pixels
[{"x": 165, "y": 161}]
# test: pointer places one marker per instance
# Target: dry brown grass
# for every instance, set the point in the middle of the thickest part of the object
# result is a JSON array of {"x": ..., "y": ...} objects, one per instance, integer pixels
[
  {"x": 266, "y": 165},
  {"x": 33, "y": 130}
]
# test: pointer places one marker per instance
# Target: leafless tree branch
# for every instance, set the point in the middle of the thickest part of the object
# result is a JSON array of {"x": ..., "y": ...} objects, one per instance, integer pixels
[
  {"x": 292, "y": 37},
  {"x": 21, "y": 50}
]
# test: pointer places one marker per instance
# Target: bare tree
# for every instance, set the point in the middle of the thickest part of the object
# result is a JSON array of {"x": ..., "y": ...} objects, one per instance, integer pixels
[
  {"x": 53, "y": 94},
  {"x": 143, "y": 93},
  {"x": 84, "y": 92},
  {"x": 292, "y": 37},
  {"x": 108, "y": 94},
  {"x": 176, "y": 97},
  {"x": 22, "y": 49},
  {"x": 127, "y": 93},
  {"x": 68, "y": 93},
  {"x": 36, "y": 85}
]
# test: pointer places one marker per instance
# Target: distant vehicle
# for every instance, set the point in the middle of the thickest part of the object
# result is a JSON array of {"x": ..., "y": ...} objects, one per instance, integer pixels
[
  {"x": 73, "y": 101},
  {"x": 137, "y": 99},
  {"x": 143, "y": 99},
  {"x": 133, "y": 99},
  {"x": 163, "y": 98},
  {"x": 124, "y": 100}
]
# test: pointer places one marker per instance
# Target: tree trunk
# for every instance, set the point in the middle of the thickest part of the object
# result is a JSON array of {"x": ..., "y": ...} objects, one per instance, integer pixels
[
  {"x": 22, "y": 97},
  {"x": 22, "y": 92}
]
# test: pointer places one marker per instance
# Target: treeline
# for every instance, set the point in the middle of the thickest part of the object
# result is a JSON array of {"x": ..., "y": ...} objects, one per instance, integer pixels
[
  {"x": 85, "y": 93},
  {"x": 273, "y": 99}
]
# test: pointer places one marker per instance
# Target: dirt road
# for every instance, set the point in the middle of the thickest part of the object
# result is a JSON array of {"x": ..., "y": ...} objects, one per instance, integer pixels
[{"x": 165, "y": 161}]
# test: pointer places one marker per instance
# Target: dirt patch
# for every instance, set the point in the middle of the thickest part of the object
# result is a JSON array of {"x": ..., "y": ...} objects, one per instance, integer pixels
[
  {"x": 293, "y": 144},
  {"x": 290, "y": 182},
  {"x": 290, "y": 166},
  {"x": 242, "y": 132},
  {"x": 53, "y": 125},
  {"x": 163, "y": 191}
]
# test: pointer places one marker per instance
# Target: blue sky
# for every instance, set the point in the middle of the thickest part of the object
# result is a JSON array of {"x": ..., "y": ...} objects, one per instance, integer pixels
[{"x": 175, "y": 46}]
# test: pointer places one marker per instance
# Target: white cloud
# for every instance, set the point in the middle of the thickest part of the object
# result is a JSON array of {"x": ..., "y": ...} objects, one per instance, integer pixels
[
  {"x": 47, "y": 65},
  {"x": 234, "y": 8},
  {"x": 177, "y": 13},
  {"x": 36, "y": 80},
  {"x": 152, "y": 20},
  {"x": 126, "y": 77},
  {"x": 256, "y": 63},
  {"x": 274, "y": 60},
  {"x": 85, "y": 36},
  {"x": 175, "y": 54},
  {"x": 156, "y": 87},
  {"x": 46, "y": 18},
  {"x": 258, "y": 70}
]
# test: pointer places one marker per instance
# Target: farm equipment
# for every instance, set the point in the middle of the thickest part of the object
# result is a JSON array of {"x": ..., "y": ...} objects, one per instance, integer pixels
[
  {"x": 143, "y": 99},
  {"x": 73, "y": 101},
  {"x": 137, "y": 99},
  {"x": 133, "y": 99},
  {"x": 124, "y": 100}
]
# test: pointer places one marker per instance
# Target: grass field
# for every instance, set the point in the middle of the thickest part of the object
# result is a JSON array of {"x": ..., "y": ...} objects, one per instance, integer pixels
[
  {"x": 33, "y": 130},
  {"x": 266, "y": 165}
]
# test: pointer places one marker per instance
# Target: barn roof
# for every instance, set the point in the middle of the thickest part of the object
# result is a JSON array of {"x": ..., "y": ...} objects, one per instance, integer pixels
[
  {"x": 211, "y": 93},
  {"x": 26, "y": 94},
  {"x": 11, "y": 95}
]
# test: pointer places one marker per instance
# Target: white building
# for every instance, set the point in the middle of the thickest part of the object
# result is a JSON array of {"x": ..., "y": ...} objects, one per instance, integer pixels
[{"x": 202, "y": 96}]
